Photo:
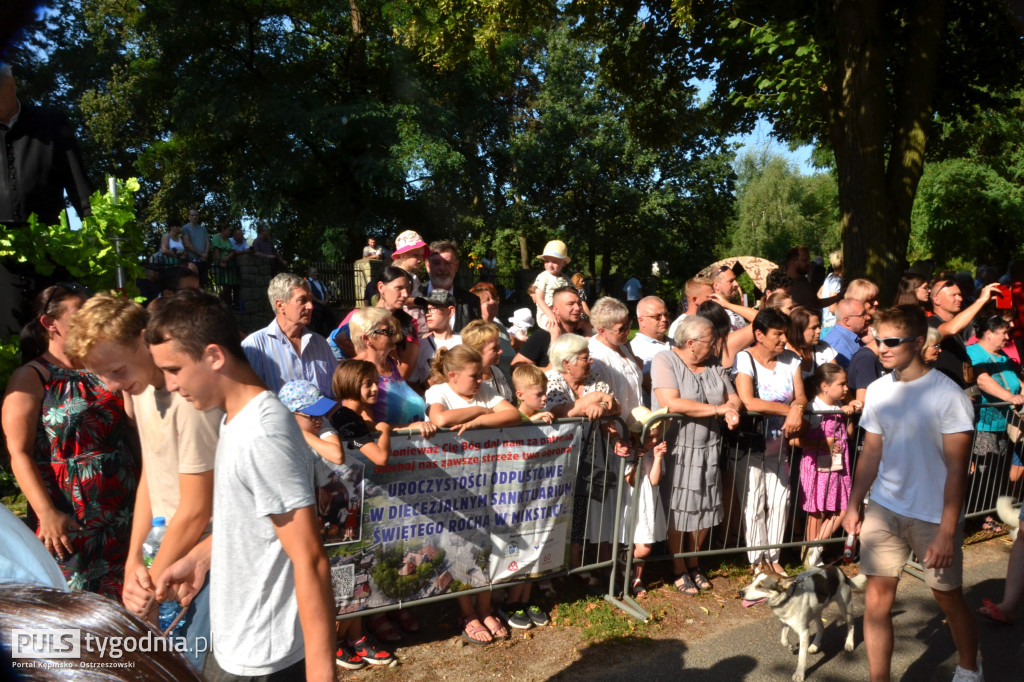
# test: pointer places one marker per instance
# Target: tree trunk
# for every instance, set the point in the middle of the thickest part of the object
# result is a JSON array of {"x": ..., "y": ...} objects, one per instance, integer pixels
[
  {"x": 524, "y": 255},
  {"x": 357, "y": 18},
  {"x": 913, "y": 114},
  {"x": 857, "y": 125},
  {"x": 878, "y": 177}
]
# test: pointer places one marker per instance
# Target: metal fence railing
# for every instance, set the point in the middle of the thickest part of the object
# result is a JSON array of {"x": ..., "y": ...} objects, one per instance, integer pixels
[
  {"x": 757, "y": 491},
  {"x": 744, "y": 495}
]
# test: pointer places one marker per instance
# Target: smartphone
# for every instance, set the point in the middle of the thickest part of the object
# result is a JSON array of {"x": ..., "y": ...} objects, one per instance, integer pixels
[{"x": 1004, "y": 301}]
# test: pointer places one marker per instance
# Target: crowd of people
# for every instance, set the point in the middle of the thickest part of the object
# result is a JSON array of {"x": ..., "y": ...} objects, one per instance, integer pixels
[{"x": 760, "y": 389}]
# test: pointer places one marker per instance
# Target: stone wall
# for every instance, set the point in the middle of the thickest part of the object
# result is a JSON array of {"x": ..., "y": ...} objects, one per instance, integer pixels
[{"x": 255, "y": 274}]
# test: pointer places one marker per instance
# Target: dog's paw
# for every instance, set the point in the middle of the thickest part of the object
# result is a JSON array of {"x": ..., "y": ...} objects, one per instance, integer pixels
[
  {"x": 798, "y": 676},
  {"x": 812, "y": 649},
  {"x": 849, "y": 646},
  {"x": 794, "y": 649}
]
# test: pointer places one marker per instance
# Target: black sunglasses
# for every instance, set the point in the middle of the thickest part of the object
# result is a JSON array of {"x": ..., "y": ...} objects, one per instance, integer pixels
[
  {"x": 893, "y": 341},
  {"x": 68, "y": 287}
]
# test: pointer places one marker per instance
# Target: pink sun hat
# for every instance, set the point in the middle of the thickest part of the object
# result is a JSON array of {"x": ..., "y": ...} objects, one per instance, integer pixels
[{"x": 410, "y": 240}]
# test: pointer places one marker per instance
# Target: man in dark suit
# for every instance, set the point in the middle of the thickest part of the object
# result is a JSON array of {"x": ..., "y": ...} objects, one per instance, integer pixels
[
  {"x": 442, "y": 266},
  {"x": 39, "y": 160}
]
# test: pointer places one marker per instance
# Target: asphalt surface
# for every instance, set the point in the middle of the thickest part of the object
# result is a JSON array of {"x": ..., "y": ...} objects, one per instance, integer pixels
[{"x": 751, "y": 652}]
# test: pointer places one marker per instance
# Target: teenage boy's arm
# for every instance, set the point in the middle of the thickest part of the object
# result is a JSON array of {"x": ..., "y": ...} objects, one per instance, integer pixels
[
  {"x": 184, "y": 529},
  {"x": 184, "y": 578},
  {"x": 957, "y": 451},
  {"x": 863, "y": 478},
  {"x": 300, "y": 538},
  {"x": 136, "y": 597}
]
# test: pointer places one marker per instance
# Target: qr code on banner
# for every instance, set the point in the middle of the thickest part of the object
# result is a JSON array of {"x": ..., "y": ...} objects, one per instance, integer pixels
[{"x": 343, "y": 581}]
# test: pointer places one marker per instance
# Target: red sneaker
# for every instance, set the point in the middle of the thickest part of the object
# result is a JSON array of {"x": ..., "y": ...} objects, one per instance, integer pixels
[
  {"x": 348, "y": 659},
  {"x": 371, "y": 654}
]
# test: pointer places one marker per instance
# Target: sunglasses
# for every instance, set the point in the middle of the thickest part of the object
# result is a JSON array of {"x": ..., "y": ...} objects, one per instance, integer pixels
[
  {"x": 894, "y": 341},
  {"x": 380, "y": 332},
  {"x": 68, "y": 287},
  {"x": 945, "y": 284},
  {"x": 310, "y": 417}
]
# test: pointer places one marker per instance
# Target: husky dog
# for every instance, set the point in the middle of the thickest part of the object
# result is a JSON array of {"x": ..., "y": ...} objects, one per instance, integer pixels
[
  {"x": 1009, "y": 515},
  {"x": 798, "y": 601}
]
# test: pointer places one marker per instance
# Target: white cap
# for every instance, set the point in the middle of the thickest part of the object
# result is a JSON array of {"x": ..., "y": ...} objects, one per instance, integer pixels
[{"x": 522, "y": 318}]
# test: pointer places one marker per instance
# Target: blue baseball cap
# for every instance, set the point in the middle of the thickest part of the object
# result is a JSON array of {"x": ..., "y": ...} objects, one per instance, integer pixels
[{"x": 303, "y": 396}]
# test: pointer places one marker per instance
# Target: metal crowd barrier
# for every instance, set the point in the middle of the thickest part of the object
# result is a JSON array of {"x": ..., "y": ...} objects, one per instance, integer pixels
[
  {"x": 744, "y": 479},
  {"x": 602, "y": 475},
  {"x": 726, "y": 480}
]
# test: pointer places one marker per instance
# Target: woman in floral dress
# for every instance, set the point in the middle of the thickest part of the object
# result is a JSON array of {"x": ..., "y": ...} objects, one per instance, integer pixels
[{"x": 69, "y": 441}]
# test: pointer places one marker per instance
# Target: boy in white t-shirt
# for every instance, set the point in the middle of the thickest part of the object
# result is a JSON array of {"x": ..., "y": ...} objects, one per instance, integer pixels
[
  {"x": 271, "y": 602},
  {"x": 917, "y": 447}
]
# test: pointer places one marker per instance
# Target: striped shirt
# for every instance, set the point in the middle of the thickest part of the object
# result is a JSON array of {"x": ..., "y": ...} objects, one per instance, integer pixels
[{"x": 273, "y": 358}]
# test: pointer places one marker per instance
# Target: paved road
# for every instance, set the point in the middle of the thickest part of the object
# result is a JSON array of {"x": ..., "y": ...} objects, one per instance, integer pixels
[{"x": 923, "y": 650}]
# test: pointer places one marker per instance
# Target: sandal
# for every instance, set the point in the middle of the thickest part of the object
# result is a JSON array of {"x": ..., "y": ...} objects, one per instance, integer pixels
[
  {"x": 383, "y": 629},
  {"x": 473, "y": 630},
  {"x": 993, "y": 613},
  {"x": 700, "y": 580},
  {"x": 496, "y": 627},
  {"x": 408, "y": 622},
  {"x": 638, "y": 588},
  {"x": 684, "y": 584}
]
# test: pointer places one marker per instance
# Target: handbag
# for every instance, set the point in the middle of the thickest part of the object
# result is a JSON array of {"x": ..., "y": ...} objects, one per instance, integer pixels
[{"x": 748, "y": 436}]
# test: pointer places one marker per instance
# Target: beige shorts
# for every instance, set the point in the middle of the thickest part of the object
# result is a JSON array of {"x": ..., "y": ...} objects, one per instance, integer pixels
[{"x": 887, "y": 540}]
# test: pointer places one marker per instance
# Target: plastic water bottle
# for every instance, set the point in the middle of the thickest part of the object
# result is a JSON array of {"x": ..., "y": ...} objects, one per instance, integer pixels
[{"x": 150, "y": 546}]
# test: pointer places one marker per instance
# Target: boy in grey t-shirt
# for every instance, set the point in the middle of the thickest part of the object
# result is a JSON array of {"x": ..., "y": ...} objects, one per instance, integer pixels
[{"x": 271, "y": 604}]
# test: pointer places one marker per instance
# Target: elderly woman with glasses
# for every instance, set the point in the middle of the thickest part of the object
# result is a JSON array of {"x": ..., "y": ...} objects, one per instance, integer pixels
[
  {"x": 686, "y": 380},
  {"x": 374, "y": 333},
  {"x": 612, "y": 355},
  {"x": 70, "y": 445}
]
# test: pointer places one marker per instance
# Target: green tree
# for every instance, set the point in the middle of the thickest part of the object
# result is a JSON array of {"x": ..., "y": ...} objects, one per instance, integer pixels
[
  {"x": 864, "y": 79},
  {"x": 592, "y": 178},
  {"x": 777, "y": 207},
  {"x": 970, "y": 204},
  {"x": 966, "y": 213}
]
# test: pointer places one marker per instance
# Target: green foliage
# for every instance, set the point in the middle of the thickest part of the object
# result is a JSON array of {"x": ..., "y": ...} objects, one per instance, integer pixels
[
  {"x": 590, "y": 176},
  {"x": 332, "y": 121},
  {"x": 966, "y": 211},
  {"x": 87, "y": 255},
  {"x": 777, "y": 207},
  {"x": 10, "y": 359}
]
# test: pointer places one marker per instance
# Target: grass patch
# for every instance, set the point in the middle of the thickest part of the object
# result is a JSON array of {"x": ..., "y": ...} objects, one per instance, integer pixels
[{"x": 599, "y": 621}]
